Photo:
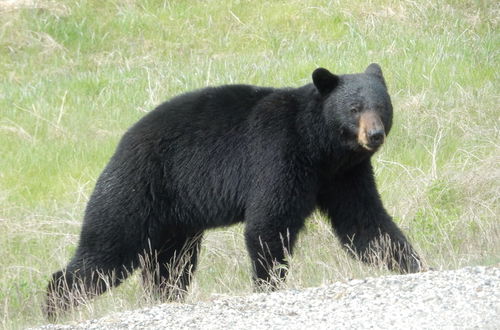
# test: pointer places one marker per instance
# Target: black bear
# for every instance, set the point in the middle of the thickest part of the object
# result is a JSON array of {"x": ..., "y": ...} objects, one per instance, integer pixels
[{"x": 237, "y": 153}]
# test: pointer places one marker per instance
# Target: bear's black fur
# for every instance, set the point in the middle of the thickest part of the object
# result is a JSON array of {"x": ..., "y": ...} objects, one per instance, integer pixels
[{"x": 222, "y": 155}]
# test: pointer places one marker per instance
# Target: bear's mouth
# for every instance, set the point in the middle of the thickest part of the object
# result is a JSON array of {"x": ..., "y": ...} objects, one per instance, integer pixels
[
  {"x": 371, "y": 133},
  {"x": 370, "y": 147}
]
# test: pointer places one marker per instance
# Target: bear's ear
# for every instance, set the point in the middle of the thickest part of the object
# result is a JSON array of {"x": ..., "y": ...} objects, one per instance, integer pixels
[
  {"x": 376, "y": 70},
  {"x": 324, "y": 80}
]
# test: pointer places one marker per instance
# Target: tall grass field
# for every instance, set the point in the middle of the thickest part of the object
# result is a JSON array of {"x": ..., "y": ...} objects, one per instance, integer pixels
[{"x": 75, "y": 74}]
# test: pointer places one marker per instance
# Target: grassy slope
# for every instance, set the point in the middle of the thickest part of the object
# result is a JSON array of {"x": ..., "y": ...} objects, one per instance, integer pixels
[{"x": 75, "y": 74}]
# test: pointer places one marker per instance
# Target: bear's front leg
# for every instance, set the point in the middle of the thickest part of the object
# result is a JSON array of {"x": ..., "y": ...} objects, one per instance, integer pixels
[
  {"x": 268, "y": 245},
  {"x": 273, "y": 221},
  {"x": 352, "y": 203}
]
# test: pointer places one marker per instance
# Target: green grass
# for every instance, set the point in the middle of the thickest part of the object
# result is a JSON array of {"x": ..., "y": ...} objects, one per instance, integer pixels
[{"x": 75, "y": 74}]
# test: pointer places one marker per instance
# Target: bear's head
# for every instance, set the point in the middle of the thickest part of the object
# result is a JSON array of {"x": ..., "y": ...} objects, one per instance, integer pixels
[{"x": 356, "y": 106}]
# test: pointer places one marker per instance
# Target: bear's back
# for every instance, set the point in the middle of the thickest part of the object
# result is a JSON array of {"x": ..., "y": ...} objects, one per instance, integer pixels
[{"x": 203, "y": 112}]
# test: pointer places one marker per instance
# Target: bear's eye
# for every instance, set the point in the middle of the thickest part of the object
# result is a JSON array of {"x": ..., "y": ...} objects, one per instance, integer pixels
[{"x": 354, "y": 110}]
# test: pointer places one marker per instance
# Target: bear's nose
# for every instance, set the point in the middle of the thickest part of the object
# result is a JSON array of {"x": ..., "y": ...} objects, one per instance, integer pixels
[{"x": 376, "y": 137}]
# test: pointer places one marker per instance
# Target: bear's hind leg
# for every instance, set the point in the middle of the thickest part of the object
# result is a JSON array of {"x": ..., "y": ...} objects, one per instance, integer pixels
[
  {"x": 80, "y": 281},
  {"x": 108, "y": 252},
  {"x": 168, "y": 266}
]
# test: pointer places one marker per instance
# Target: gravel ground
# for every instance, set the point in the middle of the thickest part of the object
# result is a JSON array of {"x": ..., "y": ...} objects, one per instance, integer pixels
[{"x": 464, "y": 298}]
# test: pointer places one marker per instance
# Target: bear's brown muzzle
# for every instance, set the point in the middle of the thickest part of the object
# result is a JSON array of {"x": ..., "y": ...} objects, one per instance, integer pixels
[{"x": 371, "y": 133}]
